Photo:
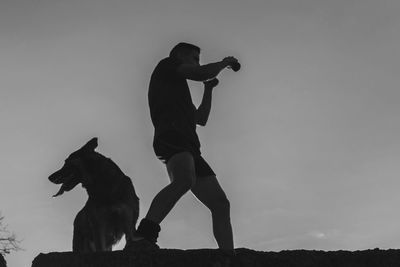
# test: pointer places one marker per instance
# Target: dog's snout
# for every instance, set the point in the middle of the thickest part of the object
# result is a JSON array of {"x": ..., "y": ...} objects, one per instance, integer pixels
[
  {"x": 52, "y": 178},
  {"x": 55, "y": 177}
]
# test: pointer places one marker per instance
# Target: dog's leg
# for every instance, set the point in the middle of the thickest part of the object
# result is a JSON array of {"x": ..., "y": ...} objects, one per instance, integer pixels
[
  {"x": 80, "y": 241},
  {"x": 131, "y": 216},
  {"x": 100, "y": 237},
  {"x": 129, "y": 230}
]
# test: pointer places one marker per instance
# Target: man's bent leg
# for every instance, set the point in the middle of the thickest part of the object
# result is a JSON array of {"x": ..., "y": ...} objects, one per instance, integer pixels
[
  {"x": 210, "y": 193},
  {"x": 182, "y": 175}
]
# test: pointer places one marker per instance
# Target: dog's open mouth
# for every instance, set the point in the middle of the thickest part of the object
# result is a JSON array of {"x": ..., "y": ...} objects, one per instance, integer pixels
[{"x": 67, "y": 177}]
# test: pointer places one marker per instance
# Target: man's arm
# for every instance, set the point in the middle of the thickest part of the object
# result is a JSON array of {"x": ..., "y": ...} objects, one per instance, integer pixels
[
  {"x": 205, "y": 72},
  {"x": 204, "y": 109}
]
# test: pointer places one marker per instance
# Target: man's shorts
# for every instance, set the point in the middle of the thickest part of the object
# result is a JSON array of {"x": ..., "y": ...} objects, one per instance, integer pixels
[{"x": 171, "y": 143}]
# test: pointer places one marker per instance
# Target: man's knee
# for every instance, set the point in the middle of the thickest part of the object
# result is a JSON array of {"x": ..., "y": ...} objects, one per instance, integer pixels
[
  {"x": 184, "y": 184},
  {"x": 220, "y": 206}
]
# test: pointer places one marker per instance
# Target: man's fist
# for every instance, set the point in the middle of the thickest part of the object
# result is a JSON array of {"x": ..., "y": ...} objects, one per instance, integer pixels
[
  {"x": 232, "y": 63},
  {"x": 229, "y": 60}
]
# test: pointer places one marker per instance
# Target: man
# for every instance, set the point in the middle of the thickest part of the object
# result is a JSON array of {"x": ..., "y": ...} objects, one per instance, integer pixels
[{"x": 176, "y": 142}]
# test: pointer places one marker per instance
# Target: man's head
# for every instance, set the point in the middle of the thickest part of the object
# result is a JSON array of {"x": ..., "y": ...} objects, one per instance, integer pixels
[{"x": 187, "y": 53}]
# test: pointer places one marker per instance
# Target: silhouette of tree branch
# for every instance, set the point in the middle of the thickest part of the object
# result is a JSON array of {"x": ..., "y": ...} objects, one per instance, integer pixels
[{"x": 8, "y": 240}]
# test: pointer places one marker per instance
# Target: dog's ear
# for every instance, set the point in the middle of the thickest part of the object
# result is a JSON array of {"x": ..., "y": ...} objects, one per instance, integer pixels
[{"x": 91, "y": 145}]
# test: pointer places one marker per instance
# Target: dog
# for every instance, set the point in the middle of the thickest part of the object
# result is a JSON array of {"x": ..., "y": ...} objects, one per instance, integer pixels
[{"x": 112, "y": 208}]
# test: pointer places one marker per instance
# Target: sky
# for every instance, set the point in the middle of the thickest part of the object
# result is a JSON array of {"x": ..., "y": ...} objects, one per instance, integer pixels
[{"x": 304, "y": 138}]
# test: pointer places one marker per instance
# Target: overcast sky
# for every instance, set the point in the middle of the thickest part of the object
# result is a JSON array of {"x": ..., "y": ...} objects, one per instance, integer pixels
[{"x": 304, "y": 139}]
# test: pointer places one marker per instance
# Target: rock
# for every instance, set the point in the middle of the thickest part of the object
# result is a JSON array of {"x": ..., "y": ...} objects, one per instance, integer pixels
[{"x": 214, "y": 258}]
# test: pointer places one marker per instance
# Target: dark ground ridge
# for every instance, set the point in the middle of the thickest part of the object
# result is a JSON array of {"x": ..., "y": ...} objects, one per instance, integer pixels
[{"x": 214, "y": 258}]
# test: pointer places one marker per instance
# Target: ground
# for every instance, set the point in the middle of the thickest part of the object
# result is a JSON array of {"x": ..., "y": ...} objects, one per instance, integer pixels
[{"x": 214, "y": 258}]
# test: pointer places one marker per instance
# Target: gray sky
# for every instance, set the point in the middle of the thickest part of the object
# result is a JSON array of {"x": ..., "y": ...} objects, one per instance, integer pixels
[{"x": 304, "y": 139}]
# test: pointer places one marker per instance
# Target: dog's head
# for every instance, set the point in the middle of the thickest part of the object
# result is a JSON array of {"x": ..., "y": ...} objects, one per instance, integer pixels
[{"x": 73, "y": 172}]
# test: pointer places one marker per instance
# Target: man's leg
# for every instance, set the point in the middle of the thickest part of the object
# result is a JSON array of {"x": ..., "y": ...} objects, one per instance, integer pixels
[
  {"x": 210, "y": 193},
  {"x": 181, "y": 171}
]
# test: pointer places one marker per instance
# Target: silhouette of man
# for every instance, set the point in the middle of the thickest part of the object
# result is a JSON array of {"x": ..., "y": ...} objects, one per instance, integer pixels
[{"x": 176, "y": 143}]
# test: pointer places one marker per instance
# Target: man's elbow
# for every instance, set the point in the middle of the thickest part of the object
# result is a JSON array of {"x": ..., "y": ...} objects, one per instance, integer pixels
[
  {"x": 201, "y": 122},
  {"x": 201, "y": 117},
  {"x": 198, "y": 77}
]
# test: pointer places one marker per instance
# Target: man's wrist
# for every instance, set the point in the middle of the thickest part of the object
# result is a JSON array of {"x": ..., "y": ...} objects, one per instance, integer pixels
[
  {"x": 208, "y": 88},
  {"x": 224, "y": 64},
  {"x": 210, "y": 84}
]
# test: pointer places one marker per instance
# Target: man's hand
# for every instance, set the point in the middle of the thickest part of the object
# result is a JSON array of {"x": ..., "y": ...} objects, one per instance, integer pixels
[
  {"x": 210, "y": 84},
  {"x": 229, "y": 61}
]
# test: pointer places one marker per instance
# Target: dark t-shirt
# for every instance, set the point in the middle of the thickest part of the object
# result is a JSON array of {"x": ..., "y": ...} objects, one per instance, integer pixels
[{"x": 171, "y": 105}]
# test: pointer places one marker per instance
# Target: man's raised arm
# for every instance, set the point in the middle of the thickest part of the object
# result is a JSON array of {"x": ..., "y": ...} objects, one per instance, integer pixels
[{"x": 205, "y": 72}]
